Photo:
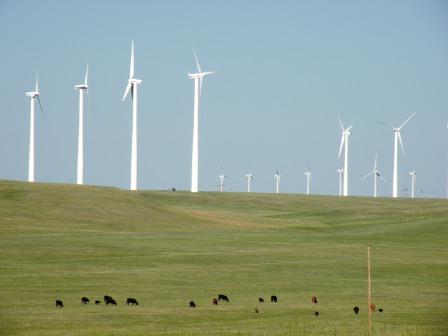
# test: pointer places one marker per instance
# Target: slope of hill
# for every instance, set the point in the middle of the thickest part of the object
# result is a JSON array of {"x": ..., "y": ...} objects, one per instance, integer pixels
[{"x": 165, "y": 249}]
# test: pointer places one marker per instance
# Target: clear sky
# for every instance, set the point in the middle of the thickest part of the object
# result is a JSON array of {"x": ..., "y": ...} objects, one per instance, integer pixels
[{"x": 285, "y": 71}]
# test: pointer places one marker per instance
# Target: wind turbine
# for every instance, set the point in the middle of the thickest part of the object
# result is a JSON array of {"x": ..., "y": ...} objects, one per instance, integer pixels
[
  {"x": 308, "y": 178},
  {"x": 277, "y": 181},
  {"x": 344, "y": 143},
  {"x": 80, "y": 165},
  {"x": 198, "y": 76},
  {"x": 34, "y": 95},
  {"x": 376, "y": 173},
  {"x": 397, "y": 138},
  {"x": 249, "y": 180},
  {"x": 413, "y": 175},
  {"x": 340, "y": 172},
  {"x": 132, "y": 86}
]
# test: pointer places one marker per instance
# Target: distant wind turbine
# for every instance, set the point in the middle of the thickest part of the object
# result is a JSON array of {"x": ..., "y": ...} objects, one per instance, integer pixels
[
  {"x": 277, "y": 181},
  {"x": 344, "y": 143},
  {"x": 413, "y": 175},
  {"x": 397, "y": 138},
  {"x": 80, "y": 164},
  {"x": 341, "y": 173},
  {"x": 249, "y": 180},
  {"x": 198, "y": 76},
  {"x": 376, "y": 173},
  {"x": 132, "y": 86},
  {"x": 34, "y": 95},
  {"x": 308, "y": 178}
]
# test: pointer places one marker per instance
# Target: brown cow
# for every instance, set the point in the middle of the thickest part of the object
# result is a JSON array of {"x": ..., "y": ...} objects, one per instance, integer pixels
[
  {"x": 215, "y": 302},
  {"x": 314, "y": 299},
  {"x": 372, "y": 307}
]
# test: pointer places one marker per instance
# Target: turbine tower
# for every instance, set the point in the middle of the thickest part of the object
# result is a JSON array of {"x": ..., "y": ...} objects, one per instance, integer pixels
[
  {"x": 198, "y": 76},
  {"x": 249, "y": 180},
  {"x": 221, "y": 182},
  {"x": 340, "y": 172},
  {"x": 80, "y": 164},
  {"x": 34, "y": 95},
  {"x": 277, "y": 181},
  {"x": 413, "y": 175},
  {"x": 344, "y": 143},
  {"x": 308, "y": 178},
  {"x": 376, "y": 173},
  {"x": 132, "y": 86},
  {"x": 397, "y": 138}
]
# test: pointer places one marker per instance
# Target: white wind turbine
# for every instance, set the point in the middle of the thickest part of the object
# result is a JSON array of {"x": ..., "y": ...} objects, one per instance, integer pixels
[
  {"x": 80, "y": 164},
  {"x": 344, "y": 143},
  {"x": 221, "y": 182},
  {"x": 376, "y": 173},
  {"x": 198, "y": 76},
  {"x": 249, "y": 180},
  {"x": 277, "y": 181},
  {"x": 397, "y": 138},
  {"x": 34, "y": 95},
  {"x": 413, "y": 175},
  {"x": 341, "y": 173},
  {"x": 132, "y": 86},
  {"x": 308, "y": 178}
]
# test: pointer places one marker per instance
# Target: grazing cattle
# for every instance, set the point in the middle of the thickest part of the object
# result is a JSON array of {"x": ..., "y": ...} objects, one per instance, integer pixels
[
  {"x": 223, "y": 297},
  {"x": 261, "y": 300},
  {"x": 316, "y": 313},
  {"x": 97, "y": 302},
  {"x": 380, "y": 310},
  {"x": 131, "y": 301},
  {"x": 59, "y": 303},
  {"x": 314, "y": 299},
  {"x": 274, "y": 298},
  {"x": 356, "y": 310},
  {"x": 108, "y": 300},
  {"x": 84, "y": 300},
  {"x": 192, "y": 304},
  {"x": 215, "y": 302},
  {"x": 256, "y": 310},
  {"x": 372, "y": 307}
]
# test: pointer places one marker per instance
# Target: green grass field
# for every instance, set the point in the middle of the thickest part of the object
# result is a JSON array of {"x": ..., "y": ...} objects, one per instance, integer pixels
[{"x": 165, "y": 249}]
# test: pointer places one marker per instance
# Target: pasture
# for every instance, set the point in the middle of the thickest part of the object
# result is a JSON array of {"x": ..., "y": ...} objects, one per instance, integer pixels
[{"x": 167, "y": 248}]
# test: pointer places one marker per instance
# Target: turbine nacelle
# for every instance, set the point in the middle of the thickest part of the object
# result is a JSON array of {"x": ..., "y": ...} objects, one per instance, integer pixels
[
  {"x": 81, "y": 87},
  {"x": 32, "y": 94}
]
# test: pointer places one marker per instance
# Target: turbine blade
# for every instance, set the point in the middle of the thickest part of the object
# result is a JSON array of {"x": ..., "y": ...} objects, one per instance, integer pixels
[
  {"x": 382, "y": 178},
  {"x": 349, "y": 128},
  {"x": 342, "y": 145},
  {"x": 406, "y": 121},
  {"x": 196, "y": 58},
  {"x": 132, "y": 92},
  {"x": 131, "y": 69},
  {"x": 376, "y": 159},
  {"x": 40, "y": 107},
  {"x": 367, "y": 175},
  {"x": 126, "y": 91},
  {"x": 384, "y": 124},
  {"x": 37, "y": 82},
  {"x": 401, "y": 141},
  {"x": 86, "y": 78},
  {"x": 200, "y": 87},
  {"x": 341, "y": 124},
  {"x": 90, "y": 102}
]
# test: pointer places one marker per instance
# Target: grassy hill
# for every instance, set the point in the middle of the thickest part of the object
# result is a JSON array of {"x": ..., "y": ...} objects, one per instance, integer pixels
[{"x": 165, "y": 249}]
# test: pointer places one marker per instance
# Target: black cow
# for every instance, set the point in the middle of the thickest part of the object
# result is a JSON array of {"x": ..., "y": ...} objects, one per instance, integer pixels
[
  {"x": 261, "y": 300},
  {"x": 59, "y": 303},
  {"x": 380, "y": 310},
  {"x": 97, "y": 302},
  {"x": 131, "y": 301},
  {"x": 108, "y": 300},
  {"x": 356, "y": 310},
  {"x": 84, "y": 300},
  {"x": 192, "y": 304},
  {"x": 256, "y": 310},
  {"x": 316, "y": 313},
  {"x": 274, "y": 298},
  {"x": 223, "y": 297}
]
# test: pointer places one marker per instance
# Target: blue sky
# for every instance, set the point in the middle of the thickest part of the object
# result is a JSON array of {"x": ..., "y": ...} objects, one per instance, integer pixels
[{"x": 285, "y": 71}]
